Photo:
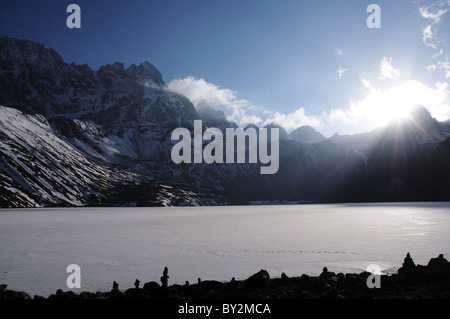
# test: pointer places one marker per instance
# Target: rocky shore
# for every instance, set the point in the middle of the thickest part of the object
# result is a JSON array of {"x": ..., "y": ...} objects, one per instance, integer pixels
[{"x": 431, "y": 281}]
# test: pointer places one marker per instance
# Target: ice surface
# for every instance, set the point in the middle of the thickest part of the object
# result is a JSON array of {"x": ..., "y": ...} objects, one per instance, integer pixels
[{"x": 124, "y": 244}]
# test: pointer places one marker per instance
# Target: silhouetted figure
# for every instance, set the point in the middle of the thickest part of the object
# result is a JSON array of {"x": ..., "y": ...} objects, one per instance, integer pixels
[
  {"x": 199, "y": 280},
  {"x": 165, "y": 278},
  {"x": 115, "y": 285},
  {"x": 136, "y": 283}
]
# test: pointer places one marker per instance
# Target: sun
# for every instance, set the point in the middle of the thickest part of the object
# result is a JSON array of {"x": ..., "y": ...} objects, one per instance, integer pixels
[{"x": 396, "y": 103}]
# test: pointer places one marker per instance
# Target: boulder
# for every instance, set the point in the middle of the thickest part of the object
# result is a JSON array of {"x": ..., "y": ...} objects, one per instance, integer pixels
[
  {"x": 326, "y": 274},
  {"x": 438, "y": 268},
  {"x": 408, "y": 267},
  {"x": 3, "y": 288},
  {"x": 11, "y": 294},
  {"x": 259, "y": 280},
  {"x": 136, "y": 293},
  {"x": 151, "y": 286},
  {"x": 116, "y": 294},
  {"x": 210, "y": 285}
]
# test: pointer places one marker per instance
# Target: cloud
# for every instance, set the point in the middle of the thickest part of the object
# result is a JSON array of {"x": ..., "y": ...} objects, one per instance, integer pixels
[
  {"x": 341, "y": 71},
  {"x": 339, "y": 51},
  {"x": 428, "y": 37},
  {"x": 435, "y": 11},
  {"x": 387, "y": 71},
  {"x": 294, "y": 120},
  {"x": 377, "y": 107},
  {"x": 445, "y": 67},
  {"x": 199, "y": 91}
]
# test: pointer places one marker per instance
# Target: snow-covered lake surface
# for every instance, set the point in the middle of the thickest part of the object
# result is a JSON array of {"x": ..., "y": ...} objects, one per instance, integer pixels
[{"x": 124, "y": 244}]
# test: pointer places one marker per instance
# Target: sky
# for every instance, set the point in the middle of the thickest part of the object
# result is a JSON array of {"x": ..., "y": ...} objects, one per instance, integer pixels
[{"x": 291, "y": 62}]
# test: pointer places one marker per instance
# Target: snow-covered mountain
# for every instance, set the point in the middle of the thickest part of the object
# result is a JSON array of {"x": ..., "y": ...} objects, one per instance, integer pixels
[{"x": 70, "y": 135}]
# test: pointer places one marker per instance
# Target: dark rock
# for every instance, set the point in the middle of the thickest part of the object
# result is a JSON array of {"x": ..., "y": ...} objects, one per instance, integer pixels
[
  {"x": 326, "y": 274},
  {"x": 136, "y": 293},
  {"x": 334, "y": 279},
  {"x": 408, "y": 266},
  {"x": 151, "y": 286},
  {"x": 11, "y": 294},
  {"x": 86, "y": 295},
  {"x": 259, "y": 280},
  {"x": 210, "y": 285},
  {"x": 99, "y": 295},
  {"x": 3, "y": 288},
  {"x": 62, "y": 295},
  {"x": 310, "y": 295},
  {"x": 115, "y": 292},
  {"x": 438, "y": 268}
]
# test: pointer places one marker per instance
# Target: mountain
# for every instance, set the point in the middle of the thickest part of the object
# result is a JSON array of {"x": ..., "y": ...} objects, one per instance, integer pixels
[
  {"x": 73, "y": 136},
  {"x": 307, "y": 135}
]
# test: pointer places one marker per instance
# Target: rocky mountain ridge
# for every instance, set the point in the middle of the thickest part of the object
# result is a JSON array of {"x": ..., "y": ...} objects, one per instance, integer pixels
[{"x": 70, "y": 135}]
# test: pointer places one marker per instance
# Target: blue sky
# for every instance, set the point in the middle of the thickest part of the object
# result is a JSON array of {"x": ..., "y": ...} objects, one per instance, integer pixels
[{"x": 289, "y": 61}]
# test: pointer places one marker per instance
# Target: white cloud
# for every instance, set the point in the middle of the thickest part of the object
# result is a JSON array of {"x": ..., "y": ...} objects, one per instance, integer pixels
[
  {"x": 199, "y": 91},
  {"x": 341, "y": 71},
  {"x": 294, "y": 120},
  {"x": 435, "y": 11},
  {"x": 377, "y": 108},
  {"x": 387, "y": 71},
  {"x": 438, "y": 54},
  {"x": 428, "y": 37},
  {"x": 445, "y": 67}
]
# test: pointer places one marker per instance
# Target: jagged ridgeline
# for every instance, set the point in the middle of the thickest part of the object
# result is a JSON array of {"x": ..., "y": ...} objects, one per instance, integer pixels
[{"x": 73, "y": 136}]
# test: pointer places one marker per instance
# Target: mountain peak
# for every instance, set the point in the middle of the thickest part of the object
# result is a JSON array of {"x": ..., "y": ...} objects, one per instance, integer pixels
[
  {"x": 283, "y": 134},
  {"x": 420, "y": 114},
  {"x": 16, "y": 50},
  {"x": 146, "y": 72},
  {"x": 307, "y": 135}
]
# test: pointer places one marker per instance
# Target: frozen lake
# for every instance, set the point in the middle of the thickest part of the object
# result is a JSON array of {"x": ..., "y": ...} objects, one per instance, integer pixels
[{"x": 122, "y": 244}]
